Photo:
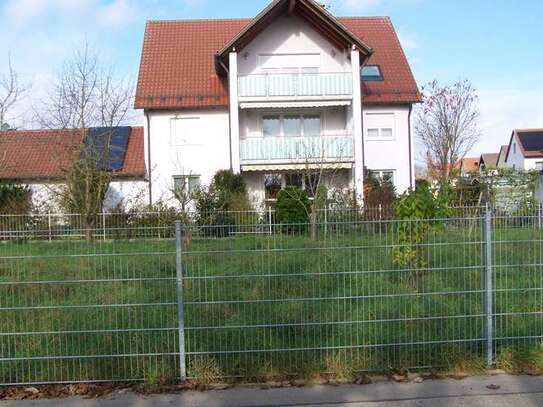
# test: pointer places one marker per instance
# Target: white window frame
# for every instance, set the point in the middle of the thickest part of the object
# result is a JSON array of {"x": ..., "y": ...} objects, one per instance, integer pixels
[
  {"x": 281, "y": 122},
  {"x": 380, "y": 136},
  {"x": 187, "y": 178}
]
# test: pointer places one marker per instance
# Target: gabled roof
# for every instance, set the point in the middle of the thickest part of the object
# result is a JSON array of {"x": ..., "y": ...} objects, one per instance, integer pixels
[
  {"x": 490, "y": 160},
  {"x": 177, "y": 68},
  {"x": 503, "y": 152},
  {"x": 39, "y": 155},
  {"x": 530, "y": 142},
  {"x": 470, "y": 164},
  {"x": 309, "y": 10}
]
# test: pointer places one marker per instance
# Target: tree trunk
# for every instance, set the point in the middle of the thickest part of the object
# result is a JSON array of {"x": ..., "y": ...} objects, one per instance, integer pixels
[
  {"x": 89, "y": 225},
  {"x": 313, "y": 224}
]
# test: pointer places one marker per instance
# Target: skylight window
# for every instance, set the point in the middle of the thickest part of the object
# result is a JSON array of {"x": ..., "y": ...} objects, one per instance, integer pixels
[{"x": 372, "y": 73}]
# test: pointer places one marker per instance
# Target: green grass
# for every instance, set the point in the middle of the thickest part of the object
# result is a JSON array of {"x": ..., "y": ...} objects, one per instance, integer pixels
[{"x": 276, "y": 305}]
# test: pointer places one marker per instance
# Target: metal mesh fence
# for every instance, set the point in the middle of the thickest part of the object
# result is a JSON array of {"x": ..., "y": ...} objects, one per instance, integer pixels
[
  {"x": 152, "y": 296},
  {"x": 72, "y": 310}
]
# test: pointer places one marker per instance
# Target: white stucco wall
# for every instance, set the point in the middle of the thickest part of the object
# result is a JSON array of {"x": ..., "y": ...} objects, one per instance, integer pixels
[
  {"x": 516, "y": 160},
  {"x": 128, "y": 194},
  {"x": 384, "y": 154},
  {"x": 291, "y": 35},
  {"x": 204, "y": 151}
]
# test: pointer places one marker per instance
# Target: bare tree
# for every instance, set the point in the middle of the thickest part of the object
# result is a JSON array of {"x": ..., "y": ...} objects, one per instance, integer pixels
[
  {"x": 319, "y": 173},
  {"x": 12, "y": 91},
  {"x": 84, "y": 95},
  {"x": 446, "y": 125}
]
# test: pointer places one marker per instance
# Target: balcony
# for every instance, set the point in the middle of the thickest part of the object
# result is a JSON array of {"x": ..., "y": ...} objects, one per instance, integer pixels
[
  {"x": 297, "y": 86},
  {"x": 258, "y": 150}
]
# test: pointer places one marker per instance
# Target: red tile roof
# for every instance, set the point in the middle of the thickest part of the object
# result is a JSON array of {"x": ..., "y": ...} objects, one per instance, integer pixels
[
  {"x": 177, "y": 68},
  {"x": 470, "y": 164},
  {"x": 32, "y": 155}
]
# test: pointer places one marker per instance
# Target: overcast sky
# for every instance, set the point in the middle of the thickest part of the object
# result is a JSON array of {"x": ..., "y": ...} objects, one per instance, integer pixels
[{"x": 496, "y": 44}]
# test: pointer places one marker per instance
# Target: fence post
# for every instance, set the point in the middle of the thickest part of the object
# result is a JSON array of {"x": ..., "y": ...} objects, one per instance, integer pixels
[
  {"x": 180, "y": 310},
  {"x": 488, "y": 303},
  {"x": 326, "y": 219},
  {"x": 49, "y": 226},
  {"x": 539, "y": 214},
  {"x": 104, "y": 225},
  {"x": 270, "y": 219}
]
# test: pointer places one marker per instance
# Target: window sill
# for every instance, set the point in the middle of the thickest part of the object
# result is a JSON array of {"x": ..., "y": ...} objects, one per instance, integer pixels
[{"x": 380, "y": 139}]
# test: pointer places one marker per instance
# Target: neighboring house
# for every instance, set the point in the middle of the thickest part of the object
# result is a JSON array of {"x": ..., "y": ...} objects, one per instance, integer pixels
[
  {"x": 41, "y": 158},
  {"x": 268, "y": 97},
  {"x": 469, "y": 166},
  {"x": 488, "y": 163},
  {"x": 525, "y": 151},
  {"x": 502, "y": 156}
]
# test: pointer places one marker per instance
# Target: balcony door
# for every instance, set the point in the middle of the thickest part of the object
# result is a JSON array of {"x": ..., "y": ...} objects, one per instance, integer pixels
[{"x": 291, "y": 125}]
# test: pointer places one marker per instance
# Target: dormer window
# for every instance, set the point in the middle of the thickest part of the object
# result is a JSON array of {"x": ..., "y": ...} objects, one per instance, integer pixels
[{"x": 371, "y": 73}]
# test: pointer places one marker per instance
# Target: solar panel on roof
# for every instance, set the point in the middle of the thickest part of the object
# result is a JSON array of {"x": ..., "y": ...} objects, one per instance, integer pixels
[
  {"x": 531, "y": 141},
  {"x": 107, "y": 145}
]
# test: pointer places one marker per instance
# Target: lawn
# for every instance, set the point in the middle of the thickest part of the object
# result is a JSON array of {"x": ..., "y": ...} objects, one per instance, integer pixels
[{"x": 262, "y": 305}]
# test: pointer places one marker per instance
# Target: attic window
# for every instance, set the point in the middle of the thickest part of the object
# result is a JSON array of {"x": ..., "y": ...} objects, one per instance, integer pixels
[{"x": 371, "y": 73}]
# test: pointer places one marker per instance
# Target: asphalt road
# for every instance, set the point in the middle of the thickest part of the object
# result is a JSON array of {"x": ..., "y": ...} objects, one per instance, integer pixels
[{"x": 516, "y": 391}]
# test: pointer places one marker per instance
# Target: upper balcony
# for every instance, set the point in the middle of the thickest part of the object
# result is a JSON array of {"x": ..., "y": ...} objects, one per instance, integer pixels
[
  {"x": 296, "y": 86},
  {"x": 310, "y": 149}
]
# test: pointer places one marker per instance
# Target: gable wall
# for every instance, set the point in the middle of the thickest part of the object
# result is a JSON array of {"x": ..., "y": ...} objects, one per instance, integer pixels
[{"x": 292, "y": 35}]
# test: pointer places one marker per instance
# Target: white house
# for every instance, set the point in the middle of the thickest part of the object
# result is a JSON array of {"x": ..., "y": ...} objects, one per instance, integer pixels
[
  {"x": 40, "y": 159},
  {"x": 525, "y": 150},
  {"x": 269, "y": 96}
]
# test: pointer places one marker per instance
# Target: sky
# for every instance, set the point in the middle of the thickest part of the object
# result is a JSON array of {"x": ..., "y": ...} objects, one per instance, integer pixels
[{"x": 495, "y": 44}]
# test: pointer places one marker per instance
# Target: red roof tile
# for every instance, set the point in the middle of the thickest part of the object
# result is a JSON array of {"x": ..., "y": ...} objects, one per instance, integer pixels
[
  {"x": 470, "y": 164},
  {"x": 177, "y": 68},
  {"x": 29, "y": 155}
]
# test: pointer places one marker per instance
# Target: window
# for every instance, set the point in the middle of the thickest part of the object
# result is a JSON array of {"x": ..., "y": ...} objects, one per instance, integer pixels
[
  {"x": 371, "y": 73},
  {"x": 291, "y": 125},
  {"x": 294, "y": 180},
  {"x": 312, "y": 125},
  {"x": 539, "y": 165},
  {"x": 380, "y": 126},
  {"x": 383, "y": 175},
  {"x": 373, "y": 133},
  {"x": 382, "y": 134},
  {"x": 514, "y": 148},
  {"x": 271, "y": 126},
  {"x": 186, "y": 184},
  {"x": 272, "y": 185}
]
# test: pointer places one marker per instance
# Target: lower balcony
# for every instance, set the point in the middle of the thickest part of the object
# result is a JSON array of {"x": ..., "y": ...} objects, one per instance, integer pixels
[{"x": 258, "y": 150}]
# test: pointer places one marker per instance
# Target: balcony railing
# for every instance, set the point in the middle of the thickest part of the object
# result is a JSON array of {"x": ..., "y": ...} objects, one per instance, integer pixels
[
  {"x": 297, "y": 149},
  {"x": 296, "y": 85}
]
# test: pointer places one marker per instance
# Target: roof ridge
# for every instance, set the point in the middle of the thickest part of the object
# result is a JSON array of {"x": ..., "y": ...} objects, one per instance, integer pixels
[
  {"x": 198, "y": 20},
  {"x": 533, "y": 130}
]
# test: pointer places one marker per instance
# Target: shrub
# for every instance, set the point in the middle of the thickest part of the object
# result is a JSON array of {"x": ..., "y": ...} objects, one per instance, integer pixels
[
  {"x": 225, "y": 181},
  {"x": 15, "y": 199},
  {"x": 420, "y": 209},
  {"x": 158, "y": 219},
  {"x": 292, "y": 208},
  {"x": 211, "y": 213}
]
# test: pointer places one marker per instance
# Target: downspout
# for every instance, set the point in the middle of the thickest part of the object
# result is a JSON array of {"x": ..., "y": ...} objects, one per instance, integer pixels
[
  {"x": 223, "y": 66},
  {"x": 149, "y": 180},
  {"x": 410, "y": 148}
]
